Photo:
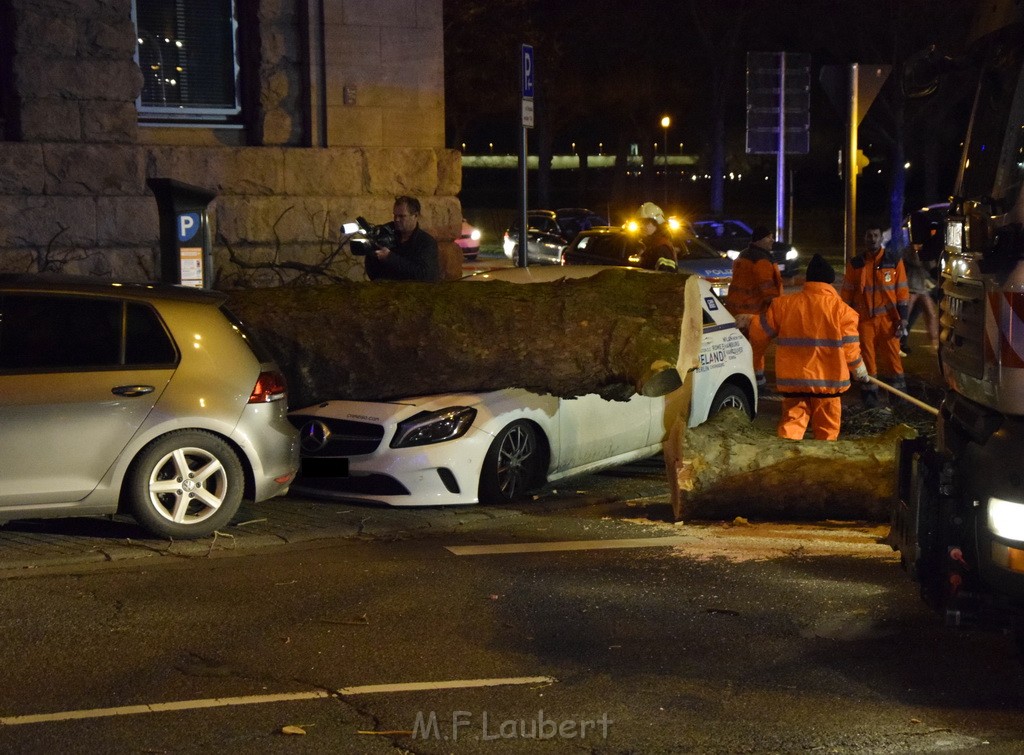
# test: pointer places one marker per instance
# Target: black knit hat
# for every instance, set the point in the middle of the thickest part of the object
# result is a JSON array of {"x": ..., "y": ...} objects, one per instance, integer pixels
[
  {"x": 820, "y": 271},
  {"x": 760, "y": 231}
]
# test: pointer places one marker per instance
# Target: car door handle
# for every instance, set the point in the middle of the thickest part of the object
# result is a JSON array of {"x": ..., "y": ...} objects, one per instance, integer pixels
[{"x": 132, "y": 390}]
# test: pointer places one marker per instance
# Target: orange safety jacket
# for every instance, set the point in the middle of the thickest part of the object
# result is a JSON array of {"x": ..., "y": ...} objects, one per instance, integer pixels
[
  {"x": 876, "y": 286},
  {"x": 816, "y": 341},
  {"x": 755, "y": 282}
]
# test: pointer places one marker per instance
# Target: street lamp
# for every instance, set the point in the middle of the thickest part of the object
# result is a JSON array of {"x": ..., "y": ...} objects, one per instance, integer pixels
[{"x": 665, "y": 123}]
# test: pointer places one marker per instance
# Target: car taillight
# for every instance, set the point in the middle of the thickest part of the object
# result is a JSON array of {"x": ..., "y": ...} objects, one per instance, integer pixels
[{"x": 270, "y": 386}]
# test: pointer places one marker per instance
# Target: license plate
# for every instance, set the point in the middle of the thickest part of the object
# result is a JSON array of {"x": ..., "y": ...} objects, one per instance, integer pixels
[{"x": 312, "y": 467}]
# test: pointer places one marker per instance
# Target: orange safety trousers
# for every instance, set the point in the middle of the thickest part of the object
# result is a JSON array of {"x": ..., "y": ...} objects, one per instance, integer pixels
[
  {"x": 879, "y": 346},
  {"x": 823, "y": 414}
]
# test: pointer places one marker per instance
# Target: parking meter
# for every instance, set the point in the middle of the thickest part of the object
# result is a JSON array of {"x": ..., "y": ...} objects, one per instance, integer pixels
[{"x": 186, "y": 249}]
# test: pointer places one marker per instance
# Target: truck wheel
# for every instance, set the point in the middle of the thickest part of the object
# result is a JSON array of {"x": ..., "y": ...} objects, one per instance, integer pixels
[
  {"x": 185, "y": 485},
  {"x": 730, "y": 396}
]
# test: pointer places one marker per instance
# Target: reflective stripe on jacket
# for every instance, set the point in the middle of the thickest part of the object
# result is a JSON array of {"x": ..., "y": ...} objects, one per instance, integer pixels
[
  {"x": 755, "y": 282},
  {"x": 816, "y": 341},
  {"x": 878, "y": 287}
]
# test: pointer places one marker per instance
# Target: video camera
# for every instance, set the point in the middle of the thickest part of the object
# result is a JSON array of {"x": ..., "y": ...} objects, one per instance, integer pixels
[{"x": 368, "y": 237}]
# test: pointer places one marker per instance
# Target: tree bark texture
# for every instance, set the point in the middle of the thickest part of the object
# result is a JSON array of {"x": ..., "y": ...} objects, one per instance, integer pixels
[
  {"x": 729, "y": 467},
  {"x": 613, "y": 334}
]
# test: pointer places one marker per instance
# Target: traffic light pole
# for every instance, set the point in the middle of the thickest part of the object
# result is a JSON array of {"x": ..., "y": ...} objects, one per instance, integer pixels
[{"x": 850, "y": 215}]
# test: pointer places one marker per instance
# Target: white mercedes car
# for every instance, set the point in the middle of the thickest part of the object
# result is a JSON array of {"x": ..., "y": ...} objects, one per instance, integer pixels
[{"x": 494, "y": 447}]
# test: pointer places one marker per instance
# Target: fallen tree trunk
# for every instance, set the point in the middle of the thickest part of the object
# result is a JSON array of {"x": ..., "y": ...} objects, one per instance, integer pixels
[
  {"x": 729, "y": 467},
  {"x": 612, "y": 334}
]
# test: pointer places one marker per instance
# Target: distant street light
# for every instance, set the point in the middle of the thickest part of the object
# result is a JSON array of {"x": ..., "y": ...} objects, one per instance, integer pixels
[{"x": 665, "y": 123}]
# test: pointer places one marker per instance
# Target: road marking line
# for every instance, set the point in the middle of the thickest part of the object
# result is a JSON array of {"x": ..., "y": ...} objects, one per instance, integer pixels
[
  {"x": 131, "y": 710},
  {"x": 455, "y": 684},
  {"x": 222, "y": 702},
  {"x": 569, "y": 545}
]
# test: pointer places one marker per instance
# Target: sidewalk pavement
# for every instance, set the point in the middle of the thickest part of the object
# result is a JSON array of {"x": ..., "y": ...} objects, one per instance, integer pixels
[{"x": 42, "y": 543}]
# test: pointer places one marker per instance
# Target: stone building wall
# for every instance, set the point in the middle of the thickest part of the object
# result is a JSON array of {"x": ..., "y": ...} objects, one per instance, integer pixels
[{"x": 74, "y": 160}]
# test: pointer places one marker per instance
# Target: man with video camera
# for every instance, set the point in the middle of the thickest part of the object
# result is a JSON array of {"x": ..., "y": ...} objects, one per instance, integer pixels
[{"x": 413, "y": 256}]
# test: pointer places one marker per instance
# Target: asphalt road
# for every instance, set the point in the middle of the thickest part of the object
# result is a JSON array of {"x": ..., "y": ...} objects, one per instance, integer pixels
[{"x": 596, "y": 633}]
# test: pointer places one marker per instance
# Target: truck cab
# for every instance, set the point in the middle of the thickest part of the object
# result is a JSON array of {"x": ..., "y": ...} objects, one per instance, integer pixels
[{"x": 959, "y": 520}]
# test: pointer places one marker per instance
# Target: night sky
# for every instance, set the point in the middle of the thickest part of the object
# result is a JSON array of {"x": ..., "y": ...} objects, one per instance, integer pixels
[{"x": 607, "y": 72}]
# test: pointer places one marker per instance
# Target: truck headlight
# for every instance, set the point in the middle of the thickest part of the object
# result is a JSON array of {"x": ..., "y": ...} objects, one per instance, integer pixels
[
  {"x": 1006, "y": 519},
  {"x": 955, "y": 236},
  {"x": 434, "y": 427}
]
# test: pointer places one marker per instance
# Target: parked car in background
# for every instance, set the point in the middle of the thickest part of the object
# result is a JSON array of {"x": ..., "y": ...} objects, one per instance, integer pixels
[
  {"x": 495, "y": 447},
  {"x": 574, "y": 220},
  {"x": 544, "y": 238},
  {"x": 733, "y": 236},
  {"x": 548, "y": 231},
  {"x": 146, "y": 399},
  {"x": 469, "y": 240},
  {"x": 622, "y": 247}
]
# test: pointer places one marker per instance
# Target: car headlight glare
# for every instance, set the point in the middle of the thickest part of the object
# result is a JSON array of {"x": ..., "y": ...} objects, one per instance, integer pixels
[
  {"x": 434, "y": 427},
  {"x": 1006, "y": 519},
  {"x": 791, "y": 254}
]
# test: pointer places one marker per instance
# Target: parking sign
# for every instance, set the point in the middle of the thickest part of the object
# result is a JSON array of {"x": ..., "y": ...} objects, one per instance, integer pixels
[{"x": 528, "y": 71}]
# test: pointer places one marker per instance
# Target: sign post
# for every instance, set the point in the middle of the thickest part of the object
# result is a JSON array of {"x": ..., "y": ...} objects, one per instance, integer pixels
[
  {"x": 527, "y": 73},
  {"x": 778, "y": 113}
]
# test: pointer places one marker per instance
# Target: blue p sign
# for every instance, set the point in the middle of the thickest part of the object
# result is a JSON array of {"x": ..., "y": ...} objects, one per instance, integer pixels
[
  {"x": 188, "y": 225},
  {"x": 528, "y": 71}
]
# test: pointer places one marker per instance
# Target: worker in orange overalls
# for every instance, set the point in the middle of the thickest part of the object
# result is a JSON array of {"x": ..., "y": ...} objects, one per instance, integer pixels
[
  {"x": 755, "y": 282},
  {"x": 817, "y": 350},
  {"x": 875, "y": 284}
]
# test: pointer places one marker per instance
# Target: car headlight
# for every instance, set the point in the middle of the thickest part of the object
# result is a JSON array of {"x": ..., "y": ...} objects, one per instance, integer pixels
[
  {"x": 791, "y": 254},
  {"x": 434, "y": 427},
  {"x": 1006, "y": 519},
  {"x": 732, "y": 254},
  {"x": 475, "y": 235}
]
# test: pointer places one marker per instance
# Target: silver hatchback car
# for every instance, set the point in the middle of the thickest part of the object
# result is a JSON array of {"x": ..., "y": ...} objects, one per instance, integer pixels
[{"x": 150, "y": 400}]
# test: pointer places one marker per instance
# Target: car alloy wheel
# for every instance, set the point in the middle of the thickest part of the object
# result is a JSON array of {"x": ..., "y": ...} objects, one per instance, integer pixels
[
  {"x": 185, "y": 485},
  {"x": 730, "y": 396},
  {"x": 512, "y": 465}
]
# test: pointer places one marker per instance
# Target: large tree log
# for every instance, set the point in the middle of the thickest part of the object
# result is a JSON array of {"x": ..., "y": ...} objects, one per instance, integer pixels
[
  {"x": 611, "y": 334},
  {"x": 730, "y": 467}
]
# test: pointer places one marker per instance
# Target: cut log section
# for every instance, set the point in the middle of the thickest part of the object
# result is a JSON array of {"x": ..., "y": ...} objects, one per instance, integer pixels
[
  {"x": 730, "y": 467},
  {"x": 613, "y": 334}
]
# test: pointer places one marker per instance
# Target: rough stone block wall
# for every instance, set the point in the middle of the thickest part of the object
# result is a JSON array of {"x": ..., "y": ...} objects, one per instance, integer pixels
[
  {"x": 87, "y": 209},
  {"x": 75, "y": 75},
  {"x": 73, "y": 192},
  {"x": 389, "y": 56}
]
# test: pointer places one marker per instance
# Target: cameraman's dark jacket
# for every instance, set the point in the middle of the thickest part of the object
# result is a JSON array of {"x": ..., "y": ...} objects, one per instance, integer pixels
[{"x": 412, "y": 260}]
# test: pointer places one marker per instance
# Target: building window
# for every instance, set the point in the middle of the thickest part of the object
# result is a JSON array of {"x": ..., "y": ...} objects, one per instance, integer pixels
[{"x": 188, "y": 53}]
